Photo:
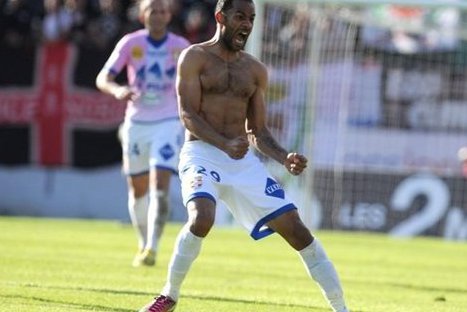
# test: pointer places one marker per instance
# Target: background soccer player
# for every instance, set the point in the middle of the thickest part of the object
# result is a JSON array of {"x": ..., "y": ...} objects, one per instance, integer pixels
[{"x": 151, "y": 134}]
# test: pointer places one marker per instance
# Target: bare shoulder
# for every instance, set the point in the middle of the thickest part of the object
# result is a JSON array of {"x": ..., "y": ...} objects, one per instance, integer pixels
[
  {"x": 194, "y": 54},
  {"x": 254, "y": 63}
]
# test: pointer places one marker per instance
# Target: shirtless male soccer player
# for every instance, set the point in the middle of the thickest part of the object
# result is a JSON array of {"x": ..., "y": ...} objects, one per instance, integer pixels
[{"x": 220, "y": 92}]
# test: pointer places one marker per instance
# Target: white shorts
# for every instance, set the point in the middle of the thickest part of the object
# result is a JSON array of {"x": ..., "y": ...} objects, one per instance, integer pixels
[
  {"x": 250, "y": 193},
  {"x": 149, "y": 145}
]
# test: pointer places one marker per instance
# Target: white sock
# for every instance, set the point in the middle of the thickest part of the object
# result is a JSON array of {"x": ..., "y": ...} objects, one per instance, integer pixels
[
  {"x": 187, "y": 248},
  {"x": 321, "y": 269},
  {"x": 157, "y": 217},
  {"x": 138, "y": 209}
]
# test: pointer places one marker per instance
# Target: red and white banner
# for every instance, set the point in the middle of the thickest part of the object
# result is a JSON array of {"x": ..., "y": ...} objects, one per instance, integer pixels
[{"x": 53, "y": 106}]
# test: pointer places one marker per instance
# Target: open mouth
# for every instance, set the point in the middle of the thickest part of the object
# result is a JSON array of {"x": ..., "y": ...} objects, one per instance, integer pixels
[{"x": 241, "y": 37}]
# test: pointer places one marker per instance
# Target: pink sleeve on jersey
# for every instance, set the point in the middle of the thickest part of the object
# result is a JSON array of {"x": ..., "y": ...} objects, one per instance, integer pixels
[
  {"x": 184, "y": 43},
  {"x": 119, "y": 57}
]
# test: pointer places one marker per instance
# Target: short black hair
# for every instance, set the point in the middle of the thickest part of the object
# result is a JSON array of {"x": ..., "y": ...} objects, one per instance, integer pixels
[{"x": 225, "y": 5}]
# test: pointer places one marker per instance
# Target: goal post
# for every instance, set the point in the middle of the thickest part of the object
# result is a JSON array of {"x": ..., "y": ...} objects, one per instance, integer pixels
[{"x": 374, "y": 93}]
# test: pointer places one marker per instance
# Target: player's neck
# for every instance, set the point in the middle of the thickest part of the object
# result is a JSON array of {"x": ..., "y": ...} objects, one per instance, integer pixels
[
  {"x": 223, "y": 50},
  {"x": 158, "y": 35}
]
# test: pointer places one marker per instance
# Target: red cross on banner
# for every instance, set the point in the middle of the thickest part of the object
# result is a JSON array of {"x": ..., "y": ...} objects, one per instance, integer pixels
[{"x": 53, "y": 106}]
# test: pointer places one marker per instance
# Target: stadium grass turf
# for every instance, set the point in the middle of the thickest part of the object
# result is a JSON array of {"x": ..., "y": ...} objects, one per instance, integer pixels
[{"x": 81, "y": 265}]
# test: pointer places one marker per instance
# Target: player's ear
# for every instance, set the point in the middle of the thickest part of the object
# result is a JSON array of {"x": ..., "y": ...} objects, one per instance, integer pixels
[
  {"x": 141, "y": 17},
  {"x": 220, "y": 17}
]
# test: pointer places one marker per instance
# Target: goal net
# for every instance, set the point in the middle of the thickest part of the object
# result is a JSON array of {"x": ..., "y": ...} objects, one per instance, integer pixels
[{"x": 374, "y": 93}]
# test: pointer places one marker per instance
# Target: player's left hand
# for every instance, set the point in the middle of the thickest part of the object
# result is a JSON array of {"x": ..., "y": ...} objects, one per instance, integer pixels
[{"x": 295, "y": 163}]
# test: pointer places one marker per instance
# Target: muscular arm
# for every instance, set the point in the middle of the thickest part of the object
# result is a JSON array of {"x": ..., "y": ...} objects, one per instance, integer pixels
[
  {"x": 261, "y": 137},
  {"x": 189, "y": 98},
  {"x": 259, "y": 134}
]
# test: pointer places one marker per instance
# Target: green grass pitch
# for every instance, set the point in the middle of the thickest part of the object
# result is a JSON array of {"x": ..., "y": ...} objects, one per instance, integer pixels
[{"x": 81, "y": 265}]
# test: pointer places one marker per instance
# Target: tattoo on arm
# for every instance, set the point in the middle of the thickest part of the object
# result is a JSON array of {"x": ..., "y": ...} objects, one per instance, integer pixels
[{"x": 266, "y": 144}]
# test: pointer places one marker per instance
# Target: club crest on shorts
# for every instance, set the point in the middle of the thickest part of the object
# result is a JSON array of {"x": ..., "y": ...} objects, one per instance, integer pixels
[
  {"x": 274, "y": 189},
  {"x": 167, "y": 151},
  {"x": 197, "y": 182}
]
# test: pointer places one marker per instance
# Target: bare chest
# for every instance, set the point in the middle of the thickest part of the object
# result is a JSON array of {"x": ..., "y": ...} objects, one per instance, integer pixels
[{"x": 231, "y": 79}]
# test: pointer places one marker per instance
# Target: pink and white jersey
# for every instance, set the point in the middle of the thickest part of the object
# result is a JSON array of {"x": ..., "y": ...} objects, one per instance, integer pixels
[{"x": 151, "y": 69}]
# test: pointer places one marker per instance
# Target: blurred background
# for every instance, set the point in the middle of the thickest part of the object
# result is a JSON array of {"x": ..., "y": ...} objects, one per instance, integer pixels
[
  {"x": 375, "y": 94},
  {"x": 59, "y": 152}
]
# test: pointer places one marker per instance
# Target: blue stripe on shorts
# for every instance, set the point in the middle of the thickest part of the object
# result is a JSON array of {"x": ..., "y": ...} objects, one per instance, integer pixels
[
  {"x": 257, "y": 233},
  {"x": 201, "y": 195}
]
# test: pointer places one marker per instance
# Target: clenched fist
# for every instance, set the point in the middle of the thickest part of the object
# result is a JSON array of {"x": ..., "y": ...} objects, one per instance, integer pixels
[
  {"x": 237, "y": 147},
  {"x": 295, "y": 163}
]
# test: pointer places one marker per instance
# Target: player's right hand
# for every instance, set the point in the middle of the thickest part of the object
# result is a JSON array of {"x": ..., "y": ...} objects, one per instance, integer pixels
[
  {"x": 237, "y": 148},
  {"x": 124, "y": 93}
]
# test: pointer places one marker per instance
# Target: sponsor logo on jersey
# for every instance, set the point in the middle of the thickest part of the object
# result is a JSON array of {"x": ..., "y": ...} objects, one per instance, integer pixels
[
  {"x": 157, "y": 53},
  {"x": 137, "y": 52},
  {"x": 155, "y": 86},
  {"x": 274, "y": 189}
]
